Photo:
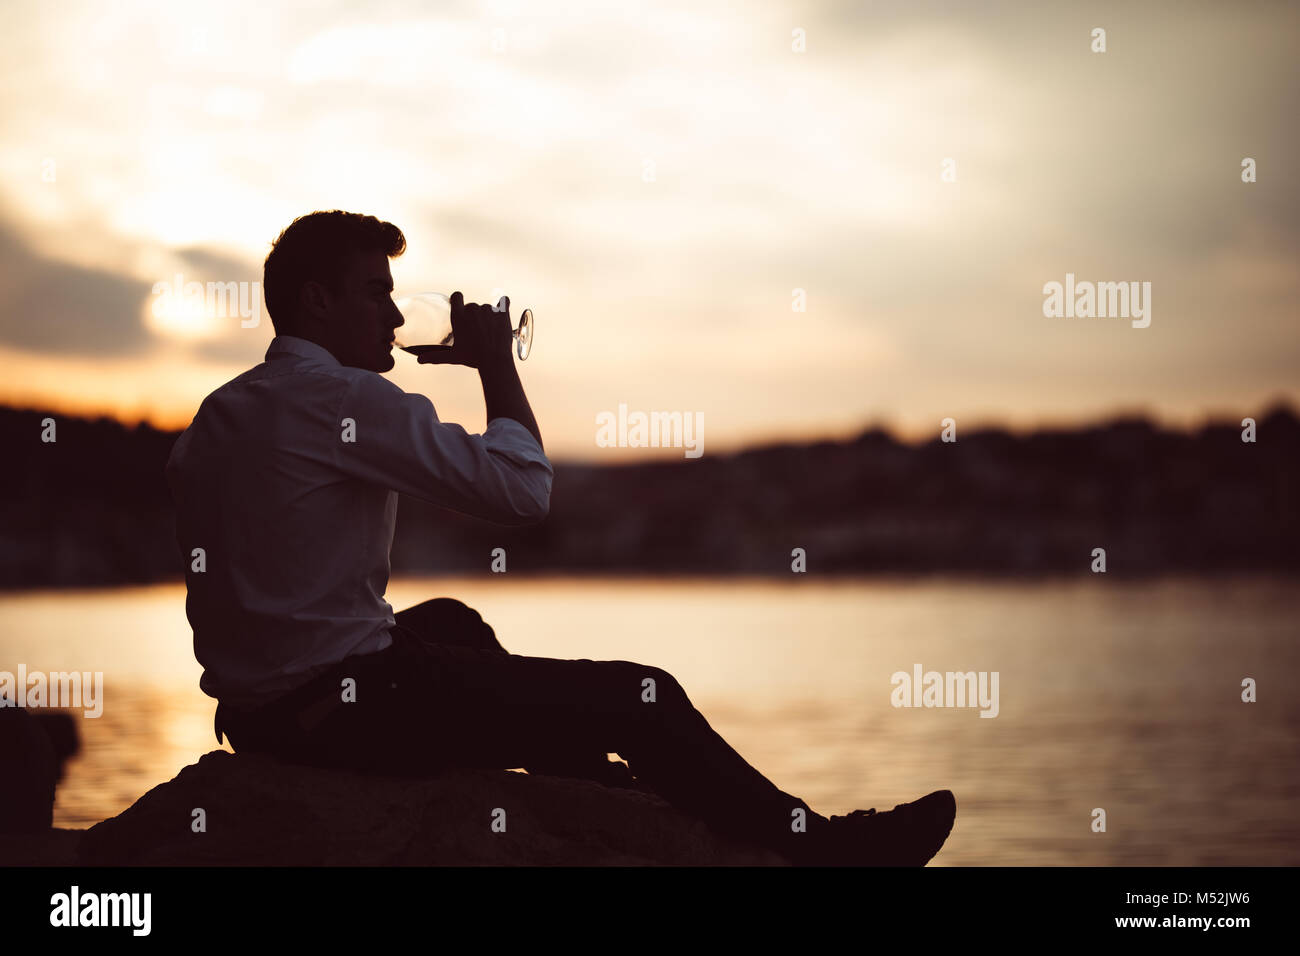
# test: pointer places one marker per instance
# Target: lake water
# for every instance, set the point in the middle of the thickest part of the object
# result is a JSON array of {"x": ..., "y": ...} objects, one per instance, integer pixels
[{"x": 1123, "y": 696}]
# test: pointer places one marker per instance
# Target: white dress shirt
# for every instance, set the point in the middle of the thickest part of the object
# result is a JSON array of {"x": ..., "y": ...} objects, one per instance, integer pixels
[{"x": 295, "y": 521}]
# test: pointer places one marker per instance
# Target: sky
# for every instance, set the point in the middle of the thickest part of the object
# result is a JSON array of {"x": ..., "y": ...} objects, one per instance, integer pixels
[{"x": 791, "y": 221}]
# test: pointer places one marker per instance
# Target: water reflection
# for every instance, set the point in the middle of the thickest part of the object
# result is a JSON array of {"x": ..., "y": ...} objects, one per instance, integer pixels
[{"x": 1118, "y": 696}]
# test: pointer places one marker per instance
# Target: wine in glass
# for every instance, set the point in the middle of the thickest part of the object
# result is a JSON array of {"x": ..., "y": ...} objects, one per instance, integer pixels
[{"x": 428, "y": 325}]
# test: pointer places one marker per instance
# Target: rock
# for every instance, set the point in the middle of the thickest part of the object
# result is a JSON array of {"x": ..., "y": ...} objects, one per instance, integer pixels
[
  {"x": 261, "y": 811},
  {"x": 33, "y": 747},
  {"x": 61, "y": 728},
  {"x": 52, "y": 847}
]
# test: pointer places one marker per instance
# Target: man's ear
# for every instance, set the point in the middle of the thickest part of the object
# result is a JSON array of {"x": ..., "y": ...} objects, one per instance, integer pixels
[{"x": 314, "y": 300}]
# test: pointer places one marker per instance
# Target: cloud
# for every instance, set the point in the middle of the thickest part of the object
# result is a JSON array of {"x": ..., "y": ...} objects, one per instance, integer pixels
[
  {"x": 524, "y": 168},
  {"x": 47, "y": 305},
  {"x": 50, "y": 305}
]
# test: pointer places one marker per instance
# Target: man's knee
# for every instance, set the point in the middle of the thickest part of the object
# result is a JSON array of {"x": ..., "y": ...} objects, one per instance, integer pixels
[
  {"x": 657, "y": 686},
  {"x": 440, "y": 608},
  {"x": 445, "y": 620}
]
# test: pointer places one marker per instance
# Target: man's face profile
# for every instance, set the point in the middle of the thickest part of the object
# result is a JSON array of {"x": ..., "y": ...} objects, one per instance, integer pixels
[{"x": 356, "y": 320}]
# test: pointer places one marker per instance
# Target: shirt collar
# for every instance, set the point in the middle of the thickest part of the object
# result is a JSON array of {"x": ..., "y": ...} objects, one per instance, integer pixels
[{"x": 293, "y": 345}]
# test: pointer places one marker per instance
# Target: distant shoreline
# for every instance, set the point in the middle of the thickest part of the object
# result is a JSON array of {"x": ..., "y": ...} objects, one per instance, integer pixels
[
  {"x": 740, "y": 578},
  {"x": 93, "y": 509}
]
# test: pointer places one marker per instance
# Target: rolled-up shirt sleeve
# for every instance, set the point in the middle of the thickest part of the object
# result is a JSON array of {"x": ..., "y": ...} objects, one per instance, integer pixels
[{"x": 501, "y": 476}]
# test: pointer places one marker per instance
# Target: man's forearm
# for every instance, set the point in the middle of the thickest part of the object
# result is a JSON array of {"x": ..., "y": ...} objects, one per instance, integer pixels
[{"x": 503, "y": 394}]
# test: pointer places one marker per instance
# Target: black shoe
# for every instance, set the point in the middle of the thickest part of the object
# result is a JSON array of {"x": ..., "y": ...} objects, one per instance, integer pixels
[{"x": 908, "y": 835}]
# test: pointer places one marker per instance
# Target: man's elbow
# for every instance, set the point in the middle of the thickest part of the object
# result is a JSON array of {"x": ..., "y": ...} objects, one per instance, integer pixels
[
  {"x": 539, "y": 509},
  {"x": 529, "y": 507}
]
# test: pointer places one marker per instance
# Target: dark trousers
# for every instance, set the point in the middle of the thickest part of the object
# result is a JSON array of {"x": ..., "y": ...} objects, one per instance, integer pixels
[{"x": 447, "y": 694}]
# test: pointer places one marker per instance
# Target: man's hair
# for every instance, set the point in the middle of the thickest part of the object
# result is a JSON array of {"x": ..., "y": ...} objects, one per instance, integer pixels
[{"x": 316, "y": 247}]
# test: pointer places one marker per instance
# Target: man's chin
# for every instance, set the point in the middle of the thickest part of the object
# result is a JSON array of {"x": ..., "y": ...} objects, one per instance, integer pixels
[{"x": 380, "y": 361}]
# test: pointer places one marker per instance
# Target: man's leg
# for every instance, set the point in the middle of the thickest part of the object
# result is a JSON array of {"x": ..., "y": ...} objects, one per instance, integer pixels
[
  {"x": 434, "y": 706},
  {"x": 453, "y": 623},
  {"x": 448, "y": 621}
]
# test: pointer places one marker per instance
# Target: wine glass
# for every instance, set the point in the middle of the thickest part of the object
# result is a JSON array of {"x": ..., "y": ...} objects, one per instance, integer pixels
[{"x": 428, "y": 325}]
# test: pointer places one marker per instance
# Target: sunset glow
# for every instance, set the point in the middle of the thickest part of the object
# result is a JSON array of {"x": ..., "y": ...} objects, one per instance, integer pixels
[{"x": 701, "y": 216}]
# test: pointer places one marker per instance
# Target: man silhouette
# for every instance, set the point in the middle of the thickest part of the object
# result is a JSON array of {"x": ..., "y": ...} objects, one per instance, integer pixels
[{"x": 286, "y": 489}]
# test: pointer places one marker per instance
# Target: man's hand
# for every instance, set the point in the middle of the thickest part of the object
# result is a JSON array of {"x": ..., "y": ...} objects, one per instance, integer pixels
[{"x": 481, "y": 336}]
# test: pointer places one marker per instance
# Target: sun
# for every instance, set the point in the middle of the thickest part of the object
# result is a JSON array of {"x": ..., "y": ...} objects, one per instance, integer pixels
[{"x": 183, "y": 310}]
